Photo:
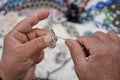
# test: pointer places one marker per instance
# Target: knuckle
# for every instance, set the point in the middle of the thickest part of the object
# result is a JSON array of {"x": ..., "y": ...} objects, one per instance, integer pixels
[
  {"x": 88, "y": 38},
  {"x": 84, "y": 38},
  {"x": 111, "y": 32},
  {"x": 42, "y": 30},
  {"x": 79, "y": 38},
  {"x": 39, "y": 43},
  {"x": 97, "y": 33},
  {"x": 29, "y": 21}
]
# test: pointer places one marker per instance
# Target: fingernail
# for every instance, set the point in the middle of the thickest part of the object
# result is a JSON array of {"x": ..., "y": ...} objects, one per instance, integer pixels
[
  {"x": 48, "y": 38},
  {"x": 68, "y": 42}
]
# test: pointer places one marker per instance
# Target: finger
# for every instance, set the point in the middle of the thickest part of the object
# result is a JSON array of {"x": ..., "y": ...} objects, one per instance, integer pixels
[
  {"x": 30, "y": 73},
  {"x": 36, "y": 32},
  {"x": 22, "y": 38},
  {"x": 39, "y": 57},
  {"x": 102, "y": 36},
  {"x": 89, "y": 42},
  {"x": 77, "y": 53},
  {"x": 37, "y": 44},
  {"x": 114, "y": 36},
  {"x": 27, "y": 24}
]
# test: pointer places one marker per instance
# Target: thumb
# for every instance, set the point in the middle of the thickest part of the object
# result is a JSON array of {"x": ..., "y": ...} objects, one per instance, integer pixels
[{"x": 77, "y": 53}]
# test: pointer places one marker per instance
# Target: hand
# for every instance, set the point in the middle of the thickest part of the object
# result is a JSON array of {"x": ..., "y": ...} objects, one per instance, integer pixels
[
  {"x": 103, "y": 62},
  {"x": 23, "y": 48}
]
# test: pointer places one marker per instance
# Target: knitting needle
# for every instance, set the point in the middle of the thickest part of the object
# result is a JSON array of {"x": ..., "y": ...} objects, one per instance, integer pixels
[{"x": 61, "y": 38}]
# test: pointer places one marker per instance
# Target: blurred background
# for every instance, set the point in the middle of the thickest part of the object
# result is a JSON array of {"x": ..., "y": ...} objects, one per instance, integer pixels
[{"x": 69, "y": 19}]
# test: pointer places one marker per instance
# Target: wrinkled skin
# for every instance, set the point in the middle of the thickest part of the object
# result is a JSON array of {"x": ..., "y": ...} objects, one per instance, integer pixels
[
  {"x": 103, "y": 61},
  {"x": 23, "y": 48}
]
